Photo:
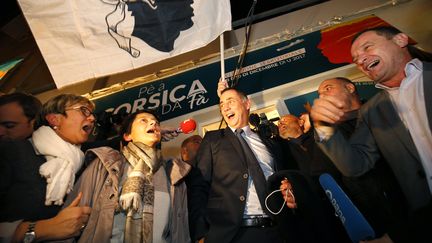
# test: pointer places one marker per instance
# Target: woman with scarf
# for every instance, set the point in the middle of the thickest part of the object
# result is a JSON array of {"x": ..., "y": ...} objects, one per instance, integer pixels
[
  {"x": 36, "y": 174},
  {"x": 135, "y": 195}
]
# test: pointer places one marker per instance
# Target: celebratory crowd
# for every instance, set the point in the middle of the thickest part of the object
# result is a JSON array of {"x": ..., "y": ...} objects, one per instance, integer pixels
[{"x": 234, "y": 184}]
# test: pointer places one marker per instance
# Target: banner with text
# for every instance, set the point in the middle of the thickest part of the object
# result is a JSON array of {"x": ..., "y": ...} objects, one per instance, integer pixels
[{"x": 264, "y": 68}]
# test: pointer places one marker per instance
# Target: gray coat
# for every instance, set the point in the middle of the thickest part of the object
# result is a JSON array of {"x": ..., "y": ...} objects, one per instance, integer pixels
[{"x": 99, "y": 184}]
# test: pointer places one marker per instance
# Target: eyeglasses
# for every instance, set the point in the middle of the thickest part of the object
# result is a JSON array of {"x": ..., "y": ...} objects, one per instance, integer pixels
[{"x": 84, "y": 110}]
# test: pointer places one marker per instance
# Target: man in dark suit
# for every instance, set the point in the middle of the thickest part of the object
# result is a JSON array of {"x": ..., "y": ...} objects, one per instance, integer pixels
[
  {"x": 225, "y": 205},
  {"x": 395, "y": 124}
]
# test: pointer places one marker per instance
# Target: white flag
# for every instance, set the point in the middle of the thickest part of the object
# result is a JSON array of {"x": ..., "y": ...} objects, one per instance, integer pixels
[{"x": 84, "y": 39}]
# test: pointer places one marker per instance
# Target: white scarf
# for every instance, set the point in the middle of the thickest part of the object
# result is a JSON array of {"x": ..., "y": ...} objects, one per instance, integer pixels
[{"x": 63, "y": 162}]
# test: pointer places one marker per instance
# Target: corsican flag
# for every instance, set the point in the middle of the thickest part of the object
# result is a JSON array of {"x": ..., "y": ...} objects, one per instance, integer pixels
[{"x": 82, "y": 39}]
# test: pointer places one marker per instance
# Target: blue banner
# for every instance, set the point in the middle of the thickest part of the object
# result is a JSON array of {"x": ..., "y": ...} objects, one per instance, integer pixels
[
  {"x": 263, "y": 69},
  {"x": 196, "y": 89}
]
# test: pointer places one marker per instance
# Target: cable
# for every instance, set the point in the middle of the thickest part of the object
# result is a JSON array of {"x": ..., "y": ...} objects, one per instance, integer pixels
[
  {"x": 287, "y": 191},
  {"x": 248, "y": 28}
]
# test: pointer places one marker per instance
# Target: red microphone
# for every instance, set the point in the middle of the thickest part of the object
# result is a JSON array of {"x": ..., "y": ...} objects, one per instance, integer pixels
[{"x": 187, "y": 126}]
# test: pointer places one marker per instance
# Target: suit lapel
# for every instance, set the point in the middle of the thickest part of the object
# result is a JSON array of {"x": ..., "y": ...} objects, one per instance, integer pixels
[
  {"x": 236, "y": 144},
  {"x": 394, "y": 122}
]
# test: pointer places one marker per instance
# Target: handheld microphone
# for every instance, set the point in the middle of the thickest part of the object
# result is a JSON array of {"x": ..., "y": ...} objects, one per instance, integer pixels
[
  {"x": 352, "y": 219},
  {"x": 254, "y": 119},
  {"x": 187, "y": 126}
]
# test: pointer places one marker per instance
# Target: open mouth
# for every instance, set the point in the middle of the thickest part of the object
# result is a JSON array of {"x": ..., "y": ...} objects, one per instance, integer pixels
[
  {"x": 373, "y": 64},
  {"x": 87, "y": 128},
  {"x": 230, "y": 115},
  {"x": 153, "y": 131}
]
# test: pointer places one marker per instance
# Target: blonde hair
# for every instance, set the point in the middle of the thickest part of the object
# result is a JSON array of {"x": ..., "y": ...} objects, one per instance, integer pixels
[{"x": 58, "y": 105}]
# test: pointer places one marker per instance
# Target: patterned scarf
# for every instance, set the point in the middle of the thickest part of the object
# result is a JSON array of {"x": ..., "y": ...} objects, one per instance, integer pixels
[{"x": 137, "y": 196}]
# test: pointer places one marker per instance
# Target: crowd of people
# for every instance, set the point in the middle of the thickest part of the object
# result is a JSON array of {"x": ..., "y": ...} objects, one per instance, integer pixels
[{"x": 55, "y": 186}]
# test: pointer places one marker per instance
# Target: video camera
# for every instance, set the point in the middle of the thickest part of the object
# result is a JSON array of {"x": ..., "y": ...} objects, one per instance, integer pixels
[{"x": 263, "y": 126}]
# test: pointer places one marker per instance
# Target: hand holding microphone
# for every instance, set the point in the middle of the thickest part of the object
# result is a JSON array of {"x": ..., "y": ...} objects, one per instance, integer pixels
[{"x": 187, "y": 126}]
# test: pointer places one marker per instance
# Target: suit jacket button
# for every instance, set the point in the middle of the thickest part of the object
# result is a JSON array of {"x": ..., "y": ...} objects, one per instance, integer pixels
[
  {"x": 245, "y": 175},
  {"x": 242, "y": 198}
]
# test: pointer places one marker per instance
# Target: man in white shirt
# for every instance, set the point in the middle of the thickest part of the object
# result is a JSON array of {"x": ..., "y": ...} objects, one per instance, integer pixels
[{"x": 394, "y": 124}]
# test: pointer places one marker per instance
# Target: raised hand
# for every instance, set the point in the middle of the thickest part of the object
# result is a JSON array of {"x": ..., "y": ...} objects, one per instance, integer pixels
[
  {"x": 328, "y": 109},
  {"x": 222, "y": 84},
  {"x": 168, "y": 133}
]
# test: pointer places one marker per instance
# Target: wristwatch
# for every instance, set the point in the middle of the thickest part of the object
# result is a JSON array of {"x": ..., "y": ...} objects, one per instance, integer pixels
[{"x": 30, "y": 235}]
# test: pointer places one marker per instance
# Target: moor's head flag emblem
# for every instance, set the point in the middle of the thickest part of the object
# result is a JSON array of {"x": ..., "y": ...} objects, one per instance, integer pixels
[
  {"x": 156, "y": 22},
  {"x": 82, "y": 39}
]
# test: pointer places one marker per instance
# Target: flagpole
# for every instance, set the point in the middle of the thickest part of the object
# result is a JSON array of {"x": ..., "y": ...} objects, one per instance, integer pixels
[{"x": 222, "y": 55}]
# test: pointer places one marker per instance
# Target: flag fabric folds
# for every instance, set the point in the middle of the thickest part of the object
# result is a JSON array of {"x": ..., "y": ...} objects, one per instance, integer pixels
[
  {"x": 81, "y": 39},
  {"x": 6, "y": 67}
]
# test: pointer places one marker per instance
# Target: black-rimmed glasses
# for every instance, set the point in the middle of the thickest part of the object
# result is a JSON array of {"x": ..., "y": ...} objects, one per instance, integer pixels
[{"x": 84, "y": 110}]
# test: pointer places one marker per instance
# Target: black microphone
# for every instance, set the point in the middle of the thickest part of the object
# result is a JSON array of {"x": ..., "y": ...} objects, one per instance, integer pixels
[{"x": 254, "y": 119}]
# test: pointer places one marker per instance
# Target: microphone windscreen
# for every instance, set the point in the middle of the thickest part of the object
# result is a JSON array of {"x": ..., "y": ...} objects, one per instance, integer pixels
[
  {"x": 352, "y": 219},
  {"x": 188, "y": 126},
  {"x": 254, "y": 119}
]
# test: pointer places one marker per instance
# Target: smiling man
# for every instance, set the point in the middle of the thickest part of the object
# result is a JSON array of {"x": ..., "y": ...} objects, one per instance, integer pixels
[
  {"x": 227, "y": 198},
  {"x": 395, "y": 124}
]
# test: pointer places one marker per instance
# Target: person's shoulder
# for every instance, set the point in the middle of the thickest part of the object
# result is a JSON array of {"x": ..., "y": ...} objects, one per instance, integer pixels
[
  {"x": 18, "y": 143},
  {"x": 20, "y": 153},
  {"x": 106, "y": 155},
  {"x": 215, "y": 134},
  {"x": 373, "y": 102},
  {"x": 180, "y": 168},
  {"x": 14, "y": 146},
  {"x": 427, "y": 66}
]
